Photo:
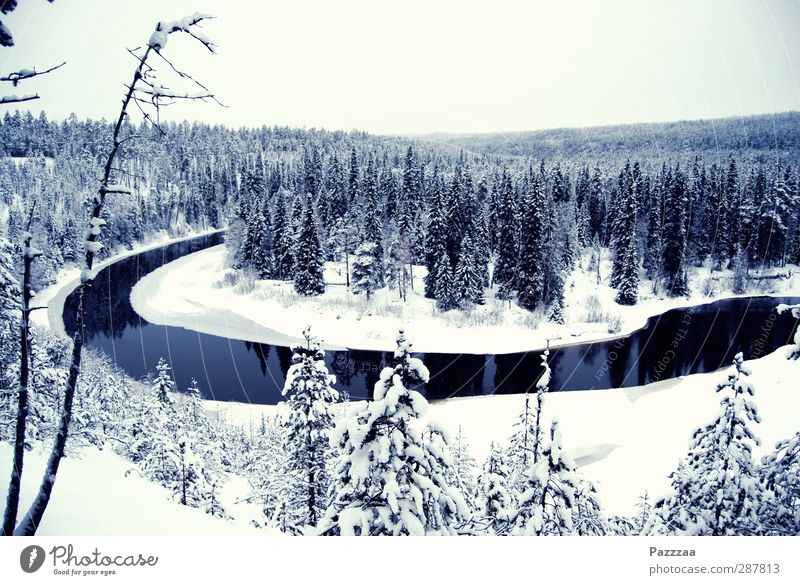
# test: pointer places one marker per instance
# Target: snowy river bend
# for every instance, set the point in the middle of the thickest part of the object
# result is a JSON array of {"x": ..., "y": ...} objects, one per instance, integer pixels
[{"x": 680, "y": 341}]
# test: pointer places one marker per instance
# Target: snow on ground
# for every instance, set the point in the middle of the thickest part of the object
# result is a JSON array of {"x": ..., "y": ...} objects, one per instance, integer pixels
[
  {"x": 93, "y": 496},
  {"x": 54, "y": 296},
  {"x": 198, "y": 293},
  {"x": 626, "y": 440}
]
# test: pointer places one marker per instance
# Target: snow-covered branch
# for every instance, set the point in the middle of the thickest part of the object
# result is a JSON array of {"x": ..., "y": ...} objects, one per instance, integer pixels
[
  {"x": 15, "y": 99},
  {"x": 17, "y": 76}
]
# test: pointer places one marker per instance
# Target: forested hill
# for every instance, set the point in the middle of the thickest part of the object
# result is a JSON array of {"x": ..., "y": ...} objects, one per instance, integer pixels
[{"x": 775, "y": 135}]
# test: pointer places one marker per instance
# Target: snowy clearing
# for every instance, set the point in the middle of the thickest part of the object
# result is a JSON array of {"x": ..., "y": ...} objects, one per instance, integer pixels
[{"x": 198, "y": 293}]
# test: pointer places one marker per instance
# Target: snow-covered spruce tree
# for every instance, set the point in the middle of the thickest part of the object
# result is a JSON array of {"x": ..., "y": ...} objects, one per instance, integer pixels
[
  {"x": 373, "y": 217},
  {"x": 468, "y": 279},
  {"x": 366, "y": 272},
  {"x": 445, "y": 293},
  {"x": 463, "y": 468},
  {"x": 388, "y": 480},
  {"x": 547, "y": 506},
  {"x": 716, "y": 491},
  {"x": 555, "y": 305},
  {"x": 587, "y": 514},
  {"x": 644, "y": 514},
  {"x": 505, "y": 239},
  {"x": 530, "y": 274},
  {"x": 525, "y": 444},
  {"x": 628, "y": 287},
  {"x": 625, "y": 265},
  {"x": 435, "y": 241},
  {"x": 673, "y": 261},
  {"x": 653, "y": 247},
  {"x": 190, "y": 487},
  {"x": 156, "y": 445},
  {"x": 309, "y": 257},
  {"x": 145, "y": 88},
  {"x": 283, "y": 239},
  {"x": 9, "y": 311},
  {"x": 623, "y": 225},
  {"x": 263, "y": 255},
  {"x": 494, "y": 502},
  {"x": 779, "y": 513},
  {"x": 308, "y": 422}
]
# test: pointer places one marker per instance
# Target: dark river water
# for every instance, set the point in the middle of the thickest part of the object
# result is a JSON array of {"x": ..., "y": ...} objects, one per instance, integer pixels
[{"x": 678, "y": 342}]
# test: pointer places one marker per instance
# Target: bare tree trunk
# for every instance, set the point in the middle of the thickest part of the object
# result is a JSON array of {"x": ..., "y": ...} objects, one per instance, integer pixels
[
  {"x": 30, "y": 523},
  {"x": 147, "y": 92},
  {"x": 14, "y": 485}
]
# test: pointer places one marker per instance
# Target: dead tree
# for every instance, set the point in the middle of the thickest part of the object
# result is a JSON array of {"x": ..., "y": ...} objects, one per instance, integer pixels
[
  {"x": 12, "y": 501},
  {"x": 149, "y": 94}
]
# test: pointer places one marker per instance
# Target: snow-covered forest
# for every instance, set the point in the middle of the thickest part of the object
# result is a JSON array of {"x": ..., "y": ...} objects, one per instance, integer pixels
[
  {"x": 508, "y": 228},
  {"x": 463, "y": 229}
]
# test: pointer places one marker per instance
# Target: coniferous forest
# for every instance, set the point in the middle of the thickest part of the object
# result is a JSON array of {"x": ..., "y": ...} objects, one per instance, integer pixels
[{"x": 583, "y": 238}]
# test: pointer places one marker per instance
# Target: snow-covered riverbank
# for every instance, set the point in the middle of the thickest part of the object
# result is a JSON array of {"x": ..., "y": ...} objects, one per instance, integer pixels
[
  {"x": 54, "y": 296},
  {"x": 627, "y": 441},
  {"x": 195, "y": 292}
]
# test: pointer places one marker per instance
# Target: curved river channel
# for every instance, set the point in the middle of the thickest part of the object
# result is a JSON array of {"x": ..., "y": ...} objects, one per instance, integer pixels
[{"x": 680, "y": 341}]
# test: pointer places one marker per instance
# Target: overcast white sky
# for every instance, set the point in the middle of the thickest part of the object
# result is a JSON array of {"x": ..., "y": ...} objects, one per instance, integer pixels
[{"x": 429, "y": 66}]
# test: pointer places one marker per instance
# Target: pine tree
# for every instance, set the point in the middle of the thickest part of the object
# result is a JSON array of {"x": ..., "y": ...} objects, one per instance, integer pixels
[
  {"x": 446, "y": 295},
  {"x": 10, "y": 295},
  {"x": 653, "y": 253},
  {"x": 779, "y": 513},
  {"x": 365, "y": 277},
  {"x": 389, "y": 481},
  {"x": 373, "y": 218},
  {"x": 716, "y": 490},
  {"x": 628, "y": 287},
  {"x": 625, "y": 265},
  {"x": 463, "y": 468},
  {"x": 506, "y": 240},
  {"x": 587, "y": 514},
  {"x": 283, "y": 235},
  {"x": 547, "y": 505},
  {"x": 467, "y": 280},
  {"x": 260, "y": 234},
  {"x": 310, "y": 259},
  {"x": 494, "y": 501},
  {"x": 156, "y": 445},
  {"x": 527, "y": 438},
  {"x": 644, "y": 515},
  {"x": 530, "y": 273},
  {"x": 435, "y": 239},
  {"x": 310, "y": 394},
  {"x": 673, "y": 260},
  {"x": 353, "y": 184},
  {"x": 194, "y": 412}
]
